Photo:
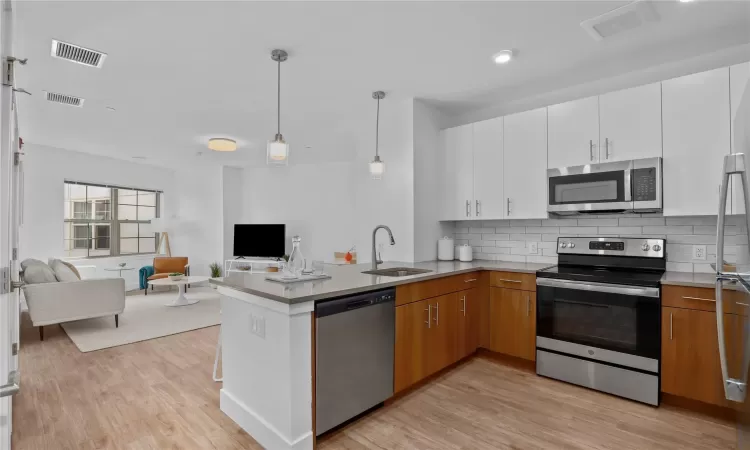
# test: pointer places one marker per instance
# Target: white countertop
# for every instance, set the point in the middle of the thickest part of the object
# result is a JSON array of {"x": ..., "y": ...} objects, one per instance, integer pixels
[{"x": 349, "y": 279}]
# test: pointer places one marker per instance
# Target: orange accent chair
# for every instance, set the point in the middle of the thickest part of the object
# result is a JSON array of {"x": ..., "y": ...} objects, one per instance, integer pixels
[{"x": 164, "y": 265}]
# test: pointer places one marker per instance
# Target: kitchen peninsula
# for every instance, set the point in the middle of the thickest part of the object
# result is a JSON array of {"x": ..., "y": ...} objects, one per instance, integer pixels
[{"x": 268, "y": 336}]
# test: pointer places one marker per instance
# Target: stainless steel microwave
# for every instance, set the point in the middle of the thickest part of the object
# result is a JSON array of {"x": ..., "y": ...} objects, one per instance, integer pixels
[{"x": 633, "y": 186}]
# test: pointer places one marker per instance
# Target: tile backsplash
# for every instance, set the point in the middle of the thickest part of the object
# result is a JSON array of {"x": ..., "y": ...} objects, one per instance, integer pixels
[{"x": 509, "y": 240}]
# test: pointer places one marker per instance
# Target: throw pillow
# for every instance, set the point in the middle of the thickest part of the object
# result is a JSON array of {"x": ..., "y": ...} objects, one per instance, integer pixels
[
  {"x": 73, "y": 268},
  {"x": 38, "y": 273},
  {"x": 62, "y": 271},
  {"x": 29, "y": 262}
]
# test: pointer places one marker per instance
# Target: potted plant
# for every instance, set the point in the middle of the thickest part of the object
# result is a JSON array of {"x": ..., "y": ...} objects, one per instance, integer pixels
[{"x": 215, "y": 269}]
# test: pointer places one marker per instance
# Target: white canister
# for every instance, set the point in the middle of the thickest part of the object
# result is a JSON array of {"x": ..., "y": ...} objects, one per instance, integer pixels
[
  {"x": 445, "y": 249},
  {"x": 465, "y": 253}
]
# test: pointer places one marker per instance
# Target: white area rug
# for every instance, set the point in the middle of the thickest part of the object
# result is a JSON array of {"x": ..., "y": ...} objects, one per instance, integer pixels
[{"x": 145, "y": 317}]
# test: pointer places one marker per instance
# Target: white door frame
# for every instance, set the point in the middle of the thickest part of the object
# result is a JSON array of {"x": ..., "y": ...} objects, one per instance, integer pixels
[{"x": 11, "y": 192}]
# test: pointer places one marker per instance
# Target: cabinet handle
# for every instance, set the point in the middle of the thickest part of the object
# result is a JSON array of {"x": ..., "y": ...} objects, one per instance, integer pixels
[
  {"x": 606, "y": 148},
  {"x": 670, "y": 326},
  {"x": 463, "y": 303},
  {"x": 470, "y": 280},
  {"x": 509, "y": 281},
  {"x": 591, "y": 149},
  {"x": 743, "y": 304},
  {"x": 478, "y": 205},
  {"x": 468, "y": 208},
  {"x": 429, "y": 315},
  {"x": 528, "y": 306},
  {"x": 508, "y": 200},
  {"x": 437, "y": 313},
  {"x": 698, "y": 298}
]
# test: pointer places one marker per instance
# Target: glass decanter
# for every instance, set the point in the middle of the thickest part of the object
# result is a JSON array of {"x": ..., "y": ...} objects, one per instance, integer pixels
[{"x": 296, "y": 263}]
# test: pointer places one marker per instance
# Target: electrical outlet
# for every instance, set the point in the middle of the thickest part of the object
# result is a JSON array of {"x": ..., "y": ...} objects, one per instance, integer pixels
[
  {"x": 258, "y": 325},
  {"x": 533, "y": 248},
  {"x": 699, "y": 252}
]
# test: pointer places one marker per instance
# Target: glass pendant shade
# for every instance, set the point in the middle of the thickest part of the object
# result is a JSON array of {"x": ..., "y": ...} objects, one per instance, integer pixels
[
  {"x": 377, "y": 168},
  {"x": 278, "y": 152}
]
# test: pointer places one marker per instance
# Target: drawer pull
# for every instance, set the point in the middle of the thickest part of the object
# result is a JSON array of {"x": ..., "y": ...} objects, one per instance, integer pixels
[
  {"x": 699, "y": 298},
  {"x": 671, "y": 326},
  {"x": 509, "y": 281},
  {"x": 743, "y": 304},
  {"x": 470, "y": 280}
]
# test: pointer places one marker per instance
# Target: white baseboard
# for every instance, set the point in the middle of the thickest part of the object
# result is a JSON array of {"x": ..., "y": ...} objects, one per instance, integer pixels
[{"x": 262, "y": 431}]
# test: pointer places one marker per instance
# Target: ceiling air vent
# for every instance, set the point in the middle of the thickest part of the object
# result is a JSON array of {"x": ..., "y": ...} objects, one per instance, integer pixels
[
  {"x": 64, "y": 99},
  {"x": 625, "y": 18},
  {"x": 77, "y": 54}
]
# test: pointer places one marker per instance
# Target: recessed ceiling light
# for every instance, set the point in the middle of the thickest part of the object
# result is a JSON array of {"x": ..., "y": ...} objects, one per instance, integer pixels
[
  {"x": 685, "y": 1},
  {"x": 139, "y": 157},
  {"x": 503, "y": 56},
  {"x": 222, "y": 144}
]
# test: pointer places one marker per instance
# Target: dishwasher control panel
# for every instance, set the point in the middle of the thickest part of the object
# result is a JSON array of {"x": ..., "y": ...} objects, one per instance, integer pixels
[
  {"x": 339, "y": 305},
  {"x": 384, "y": 297}
]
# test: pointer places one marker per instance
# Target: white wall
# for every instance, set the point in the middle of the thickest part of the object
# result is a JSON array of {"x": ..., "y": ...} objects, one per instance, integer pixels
[{"x": 233, "y": 201}]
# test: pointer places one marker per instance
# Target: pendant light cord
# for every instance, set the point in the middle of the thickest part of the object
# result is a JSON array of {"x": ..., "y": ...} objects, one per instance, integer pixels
[
  {"x": 278, "y": 101},
  {"x": 377, "y": 126}
]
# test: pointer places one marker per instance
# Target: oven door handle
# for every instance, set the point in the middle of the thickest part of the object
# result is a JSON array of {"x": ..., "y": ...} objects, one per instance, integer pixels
[{"x": 621, "y": 289}]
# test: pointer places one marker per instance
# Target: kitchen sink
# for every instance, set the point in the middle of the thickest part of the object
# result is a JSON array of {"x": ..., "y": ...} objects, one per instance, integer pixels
[{"x": 396, "y": 272}]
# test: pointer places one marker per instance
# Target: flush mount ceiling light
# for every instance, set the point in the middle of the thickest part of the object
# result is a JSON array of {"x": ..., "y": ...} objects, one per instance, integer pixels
[
  {"x": 377, "y": 167},
  {"x": 222, "y": 144},
  {"x": 278, "y": 149},
  {"x": 503, "y": 56},
  {"x": 685, "y": 1}
]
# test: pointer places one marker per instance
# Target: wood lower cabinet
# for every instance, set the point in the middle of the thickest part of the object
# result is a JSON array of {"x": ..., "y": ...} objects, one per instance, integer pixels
[
  {"x": 513, "y": 322},
  {"x": 468, "y": 315},
  {"x": 690, "y": 365},
  {"x": 425, "y": 339}
]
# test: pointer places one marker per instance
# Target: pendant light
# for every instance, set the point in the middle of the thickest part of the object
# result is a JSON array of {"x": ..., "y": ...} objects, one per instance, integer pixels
[
  {"x": 278, "y": 149},
  {"x": 377, "y": 167}
]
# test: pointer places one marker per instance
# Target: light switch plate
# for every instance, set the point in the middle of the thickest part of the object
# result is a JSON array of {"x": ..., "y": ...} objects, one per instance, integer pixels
[
  {"x": 258, "y": 325},
  {"x": 699, "y": 252},
  {"x": 533, "y": 248}
]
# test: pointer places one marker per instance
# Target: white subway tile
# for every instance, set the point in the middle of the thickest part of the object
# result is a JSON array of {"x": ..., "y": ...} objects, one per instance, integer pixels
[
  {"x": 512, "y": 258},
  {"x": 526, "y": 222},
  {"x": 510, "y": 244},
  {"x": 707, "y": 229},
  {"x": 520, "y": 251},
  {"x": 525, "y": 237},
  {"x": 516, "y": 230},
  {"x": 544, "y": 230},
  {"x": 552, "y": 245},
  {"x": 466, "y": 224},
  {"x": 461, "y": 230},
  {"x": 703, "y": 268},
  {"x": 668, "y": 230},
  {"x": 621, "y": 231},
  {"x": 559, "y": 222},
  {"x": 696, "y": 220},
  {"x": 481, "y": 230},
  {"x": 578, "y": 230},
  {"x": 481, "y": 243},
  {"x": 495, "y": 250},
  {"x": 598, "y": 222},
  {"x": 679, "y": 267},
  {"x": 484, "y": 256},
  {"x": 692, "y": 238},
  {"x": 641, "y": 221},
  {"x": 495, "y": 237},
  {"x": 495, "y": 223},
  {"x": 541, "y": 259},
  {"x": 549, "y": 252},
  {"x": 737, "y": 239},
  {"x": 684, "y": 253},
  {"x": 460, "y": 242},
  {"x": 467, "y": 236},
  {"x": 550, "y": 237}
]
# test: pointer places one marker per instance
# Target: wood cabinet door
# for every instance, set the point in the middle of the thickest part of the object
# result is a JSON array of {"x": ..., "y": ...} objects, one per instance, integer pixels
[
  {"x": 690, "y": 365},
  {"x": 573, "y": 133},
  {"x": 739, "y": 75},
  {"x": 488, "y": 169},
  {"x": 695, "y": 115},
  {"x": 468, "y": 322},
  {"x": 525, "y": 165},
  {"x": 630, "y": 123},
  {"x": 413, "y": 327},
  {"x": 513, "y": 323},
  {"x": 443, "y": 347}
]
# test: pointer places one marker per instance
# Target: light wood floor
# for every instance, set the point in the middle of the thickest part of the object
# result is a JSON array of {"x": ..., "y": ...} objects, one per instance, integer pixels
[{"x": 159, "y": 394}]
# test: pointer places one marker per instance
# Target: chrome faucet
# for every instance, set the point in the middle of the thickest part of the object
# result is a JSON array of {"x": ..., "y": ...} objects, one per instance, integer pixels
[{"x": 375, "y": 257}]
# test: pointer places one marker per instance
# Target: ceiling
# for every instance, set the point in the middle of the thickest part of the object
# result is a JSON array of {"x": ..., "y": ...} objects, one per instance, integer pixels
[{"x": 179, "y": 72}]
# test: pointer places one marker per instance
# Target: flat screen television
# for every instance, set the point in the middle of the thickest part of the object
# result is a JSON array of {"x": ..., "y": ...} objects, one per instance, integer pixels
[{"x": 259, "y": 240}]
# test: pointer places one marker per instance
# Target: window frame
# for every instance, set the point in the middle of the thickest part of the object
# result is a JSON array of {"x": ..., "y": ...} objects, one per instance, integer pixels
[{"x": 113, "y": 222}]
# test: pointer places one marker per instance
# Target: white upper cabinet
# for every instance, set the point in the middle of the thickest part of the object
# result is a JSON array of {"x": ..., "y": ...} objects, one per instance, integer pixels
[
  {"x": 696, "y": 139},
  {"x": 630, "y": 124},
  {"x": 458, "y": 167},
  {"x": 488, "y": 169},
  {"x": 525, "y": 161},
  {"x": 573, "y": 129},
  {"x": 739, "y": 76}
]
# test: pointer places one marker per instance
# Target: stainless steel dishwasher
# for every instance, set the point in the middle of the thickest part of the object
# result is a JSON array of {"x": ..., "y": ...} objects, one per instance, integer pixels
[{"x": 354, "y": 340}]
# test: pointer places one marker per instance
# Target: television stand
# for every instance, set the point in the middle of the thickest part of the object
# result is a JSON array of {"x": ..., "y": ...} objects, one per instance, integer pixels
[{"x": 243, "y": 265}]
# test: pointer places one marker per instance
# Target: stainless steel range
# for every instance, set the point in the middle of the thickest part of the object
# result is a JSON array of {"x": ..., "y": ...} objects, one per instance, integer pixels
[{"x": 599, "y": 315}]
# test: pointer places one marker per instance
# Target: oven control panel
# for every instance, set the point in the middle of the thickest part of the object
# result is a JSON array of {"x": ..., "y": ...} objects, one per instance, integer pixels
[{"x": 642, "y": 247}]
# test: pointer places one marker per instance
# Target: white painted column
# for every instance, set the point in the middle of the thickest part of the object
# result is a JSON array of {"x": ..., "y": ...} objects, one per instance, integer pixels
[{"x": 267, "y": 369}]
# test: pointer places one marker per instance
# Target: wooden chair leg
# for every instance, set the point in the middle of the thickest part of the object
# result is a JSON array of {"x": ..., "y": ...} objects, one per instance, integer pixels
[
  {"x": 145, "y": 291},
  {"x": 117, "y": 321},
  {"x": 41, "y": 333}
]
